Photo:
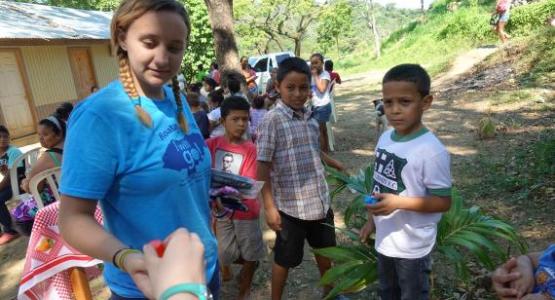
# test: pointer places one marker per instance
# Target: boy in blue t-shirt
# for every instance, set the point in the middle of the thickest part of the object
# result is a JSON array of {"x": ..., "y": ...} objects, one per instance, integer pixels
[
  {"x": 8, "y": 154},
  {"x": 412, "y": 183}
]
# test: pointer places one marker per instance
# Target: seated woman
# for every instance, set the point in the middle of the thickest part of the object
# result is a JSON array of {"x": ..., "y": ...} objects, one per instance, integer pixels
[{"x": 51, "y": 133}]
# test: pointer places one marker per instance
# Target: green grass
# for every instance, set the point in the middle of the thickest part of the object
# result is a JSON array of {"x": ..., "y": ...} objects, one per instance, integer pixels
[
  {"x": 436, "y": 40},
  {"x": 517, "y": 172}
]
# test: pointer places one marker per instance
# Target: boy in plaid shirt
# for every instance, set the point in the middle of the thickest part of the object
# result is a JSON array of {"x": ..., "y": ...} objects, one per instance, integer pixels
[{"x": 295, "y": 193}]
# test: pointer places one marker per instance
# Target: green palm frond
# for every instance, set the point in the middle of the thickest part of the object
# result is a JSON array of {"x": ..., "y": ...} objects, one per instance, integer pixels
[
  {"x": 464, "y": 231},
  {"x": 355, "y": 268}
]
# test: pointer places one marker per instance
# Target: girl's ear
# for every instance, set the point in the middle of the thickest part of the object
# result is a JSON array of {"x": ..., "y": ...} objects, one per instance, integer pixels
[{"x": 121, "y": 39}]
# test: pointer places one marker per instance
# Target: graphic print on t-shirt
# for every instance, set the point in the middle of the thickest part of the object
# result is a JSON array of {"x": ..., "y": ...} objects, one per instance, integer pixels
[
  {"x": 4, "y": 159},
  {"x": 387, "y": 173},
  {"x": 185, "y": 153},
  {"x": 228, "y": 161}
]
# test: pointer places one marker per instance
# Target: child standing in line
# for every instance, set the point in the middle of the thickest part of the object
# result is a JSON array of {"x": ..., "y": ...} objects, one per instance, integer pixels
[
  {"x": 412, "y": 182},
  {"x": 257, "y": 114},
  {"x": 321, "y": 103},
  {"x": 215, "y": 99},
  {"x": 199, "y": 114},
  {"x": 296, "y": 195},
  {"x": 240, "y": 237}
]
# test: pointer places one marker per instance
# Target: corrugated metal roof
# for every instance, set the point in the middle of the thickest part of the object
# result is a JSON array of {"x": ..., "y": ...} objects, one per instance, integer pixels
[{"x": 35, "y": 21}]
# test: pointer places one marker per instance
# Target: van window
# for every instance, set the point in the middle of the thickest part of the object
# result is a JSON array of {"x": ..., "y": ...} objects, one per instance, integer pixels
[
  {"x": 261, "y": 65},
  {"x": 281, "y": 57}
]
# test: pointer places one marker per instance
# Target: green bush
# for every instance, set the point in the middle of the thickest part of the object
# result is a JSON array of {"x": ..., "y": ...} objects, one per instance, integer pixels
[
  {"x": 527, "y": 18},
  {"x": 466, "y": 22}
]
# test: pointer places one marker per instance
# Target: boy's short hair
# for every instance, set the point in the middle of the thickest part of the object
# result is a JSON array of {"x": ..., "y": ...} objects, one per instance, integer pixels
[
  {"x": 234, "y": 103},
  {"x": 328, "y": 65},
  {"x": 193, "y": 99},
  {"x": 232, "y": 80},
  {"x": 216, "y": 96},
  {"x": 211, "y": 82},
  {"x": 258, "y": 101},
  {"x": 411, "y": 73},
  {"x": 292, "y": 64},
  {"x": 195, "y": 87},
  {"x": 4, "y": 129}
]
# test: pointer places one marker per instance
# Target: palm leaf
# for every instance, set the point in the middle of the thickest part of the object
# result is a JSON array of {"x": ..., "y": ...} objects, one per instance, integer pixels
[{"x": 475, "y": 234}]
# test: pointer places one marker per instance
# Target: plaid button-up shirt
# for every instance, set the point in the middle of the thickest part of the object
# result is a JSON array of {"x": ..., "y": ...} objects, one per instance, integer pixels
[{"x": 289, "y": 140}]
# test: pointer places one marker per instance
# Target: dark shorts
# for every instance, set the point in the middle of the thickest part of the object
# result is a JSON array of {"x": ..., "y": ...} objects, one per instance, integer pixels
[
  {"x": 404, "y": 279},
  {"x": 288, "y": 250},
  {"x": 322, "y": 113}
]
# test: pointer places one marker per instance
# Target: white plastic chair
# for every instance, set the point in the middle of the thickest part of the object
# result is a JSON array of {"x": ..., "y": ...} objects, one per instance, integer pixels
[
  {"x": 52, "y": 177},
  {"x": 28, "y": 158}
]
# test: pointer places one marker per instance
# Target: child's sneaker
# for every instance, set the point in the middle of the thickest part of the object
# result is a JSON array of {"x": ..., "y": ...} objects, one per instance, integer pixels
[{"x": 8, "y": 237}]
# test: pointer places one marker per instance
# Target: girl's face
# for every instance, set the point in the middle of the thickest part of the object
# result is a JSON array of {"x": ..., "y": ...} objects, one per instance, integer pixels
[
  {"x": 244, "y": 62},
  {"x": 47, "y": 137},
  {"x": 316, "y": 64},
  {"x": 155, "y": 44},
  {"x": 4, "y": 140}
]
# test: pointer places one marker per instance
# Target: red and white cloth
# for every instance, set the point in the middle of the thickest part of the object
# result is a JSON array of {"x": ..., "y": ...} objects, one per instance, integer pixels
[{"x": 49, "y": 258}]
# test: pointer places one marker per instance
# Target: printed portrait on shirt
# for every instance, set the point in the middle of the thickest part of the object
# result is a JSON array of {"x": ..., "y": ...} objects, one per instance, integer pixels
[
  {"x": 228, "y": 161},
  {"x": 4, "y": 160}
]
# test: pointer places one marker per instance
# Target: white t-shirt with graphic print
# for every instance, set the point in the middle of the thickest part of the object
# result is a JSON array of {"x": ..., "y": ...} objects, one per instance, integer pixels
[{"x": 411, "y": 166}]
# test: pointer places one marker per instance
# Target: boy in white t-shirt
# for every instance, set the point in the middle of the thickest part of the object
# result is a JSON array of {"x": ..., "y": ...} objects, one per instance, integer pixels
[{"x": 412, "y": 183}]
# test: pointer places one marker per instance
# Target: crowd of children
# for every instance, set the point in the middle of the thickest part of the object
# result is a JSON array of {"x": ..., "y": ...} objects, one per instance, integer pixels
[{"x": 147, "y": 156}]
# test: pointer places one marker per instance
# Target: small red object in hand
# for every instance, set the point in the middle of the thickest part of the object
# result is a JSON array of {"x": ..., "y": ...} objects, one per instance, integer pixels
[{"x": 159, "y": 247}]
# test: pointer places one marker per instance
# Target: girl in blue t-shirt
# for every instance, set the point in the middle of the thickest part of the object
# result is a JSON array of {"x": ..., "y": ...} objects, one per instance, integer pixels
[{"x": 134, "y": 148}]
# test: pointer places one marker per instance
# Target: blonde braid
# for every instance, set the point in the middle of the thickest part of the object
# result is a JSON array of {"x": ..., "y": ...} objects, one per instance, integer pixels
[
  {"x": 180, "y": 115},
  {"x": 129, "y": 87}
]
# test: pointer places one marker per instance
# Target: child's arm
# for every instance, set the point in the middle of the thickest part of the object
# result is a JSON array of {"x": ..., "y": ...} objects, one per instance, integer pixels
[
  {"x": 536, "y": 296},
  {"x": 368, "y": 228},
  {"x": 271, "y": 212},
  {"x": 321, "y": 84},
  {"x": 391, "y": 202},
  {"x": 525, "y": 266},
  {"x": 328, "y": 160}
]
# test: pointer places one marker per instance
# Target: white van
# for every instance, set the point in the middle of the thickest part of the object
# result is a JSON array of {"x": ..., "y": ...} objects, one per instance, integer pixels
[{"x": 264, "y": 63}]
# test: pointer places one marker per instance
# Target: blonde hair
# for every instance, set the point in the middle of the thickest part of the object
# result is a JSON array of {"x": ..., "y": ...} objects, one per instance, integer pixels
[{"x": 125, "y": 15}]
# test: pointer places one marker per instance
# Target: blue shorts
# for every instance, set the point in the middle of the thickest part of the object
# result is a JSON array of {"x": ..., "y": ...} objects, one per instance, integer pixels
[
  {"x": 322, "y": 113},
  {"x": 504, "y": 16}
]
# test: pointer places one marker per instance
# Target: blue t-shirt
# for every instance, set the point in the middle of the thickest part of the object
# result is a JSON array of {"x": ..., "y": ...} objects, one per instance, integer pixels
[
  {"x": 545, "y": 273},
  {"x": 149, "y": 181},
  {"x": 10, "y": 156}
]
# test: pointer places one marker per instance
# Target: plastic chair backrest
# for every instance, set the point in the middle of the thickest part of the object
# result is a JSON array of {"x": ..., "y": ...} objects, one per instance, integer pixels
[
  {"x": 28, "y": 158},
  {"x": 52, "y": 177}
]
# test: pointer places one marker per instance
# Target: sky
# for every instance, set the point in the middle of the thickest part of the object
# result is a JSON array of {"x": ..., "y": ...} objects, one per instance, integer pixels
[{"x": 405, "y": 3}]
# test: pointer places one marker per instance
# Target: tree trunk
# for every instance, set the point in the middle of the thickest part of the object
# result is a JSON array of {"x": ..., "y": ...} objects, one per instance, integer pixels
[
  {"x": 371, "y": 23},
  {"x": 422, "y": 6},
  {"x": 297, "y": 47},
  {"x": 220, "y": 13},
  {"x": 337, "y": 45}
]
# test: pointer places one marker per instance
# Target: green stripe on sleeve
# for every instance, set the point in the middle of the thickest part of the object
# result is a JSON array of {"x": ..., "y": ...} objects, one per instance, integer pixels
[{"x": 440, "y": 192}]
